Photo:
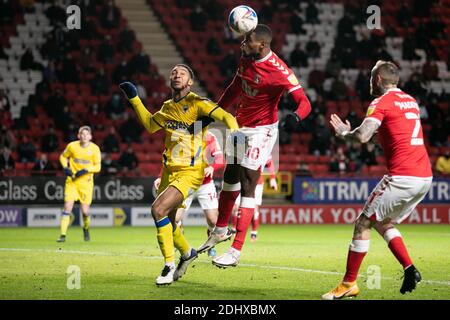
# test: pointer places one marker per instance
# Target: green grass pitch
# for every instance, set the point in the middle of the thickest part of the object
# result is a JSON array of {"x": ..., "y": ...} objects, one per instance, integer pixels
[{"x": 287, "y": 262}]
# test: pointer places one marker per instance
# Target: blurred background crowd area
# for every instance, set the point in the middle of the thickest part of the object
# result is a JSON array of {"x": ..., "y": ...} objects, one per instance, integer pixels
[{"x": 53, "y": 80}]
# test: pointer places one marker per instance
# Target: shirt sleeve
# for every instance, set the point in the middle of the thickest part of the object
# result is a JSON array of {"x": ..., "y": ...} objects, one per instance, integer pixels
[
  {"x": 157, "y": 121},
  {"x": 65, "y": 155},
  {"x": 376, "y": 111},
  {"x": 210, "y": 109},
  {"x": 231, "y": 93},
  {"x": 97, "y": 161},
  {"x": 206, "y": 107},
  {"x": 151, "y": 122},
  {"x": 288, "y": 80}
]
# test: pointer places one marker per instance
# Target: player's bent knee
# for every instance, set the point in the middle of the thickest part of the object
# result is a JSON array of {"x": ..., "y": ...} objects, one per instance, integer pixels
[{"x": 158, "y": 210}]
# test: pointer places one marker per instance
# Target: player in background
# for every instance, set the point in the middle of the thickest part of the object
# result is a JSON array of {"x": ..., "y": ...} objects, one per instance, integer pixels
[
  {"x": 80, "y": 160},
  {"x": 396, "y": 116},
  {"x": 258, "y": 201},
  {"x": 262, "y": 77},
  {"x": 183, "y": 165},
  {"x": 206, "y": 193}
]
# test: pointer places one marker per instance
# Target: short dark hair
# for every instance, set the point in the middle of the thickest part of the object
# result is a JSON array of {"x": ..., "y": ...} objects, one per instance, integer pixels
[
  {"x": 191, "y": 72},
  {"x": 263, "y": 33},
  {"x": 388, "y": 72}
]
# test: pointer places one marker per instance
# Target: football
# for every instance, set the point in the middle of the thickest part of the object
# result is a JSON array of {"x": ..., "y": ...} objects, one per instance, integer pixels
[{"x": 242, "y": 19}]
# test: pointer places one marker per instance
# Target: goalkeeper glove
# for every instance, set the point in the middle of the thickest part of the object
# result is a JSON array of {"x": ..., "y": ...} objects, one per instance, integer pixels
[
  {"x": 80, "y": 173},
  {"x": 68, "y": 172},
  {"x": 129, "y": 89},
  {"x": 290, "y": 122}
]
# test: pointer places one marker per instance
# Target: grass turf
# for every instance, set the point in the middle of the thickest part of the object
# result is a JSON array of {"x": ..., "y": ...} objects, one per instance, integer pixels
[{"x": 287, "y": 262}]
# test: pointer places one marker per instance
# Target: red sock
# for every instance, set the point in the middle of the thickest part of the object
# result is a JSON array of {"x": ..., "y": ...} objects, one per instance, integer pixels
[
  {"x": 400, "y": 252},
  {"x": 395, "y": 242},
  {"x": 243, "y": 222},
  {"x": 354, "y": 260},
  {"x": 226, "y": 203},
  {"x": 255, "y": 223},
  {"x": 358, "y": 249},
  {"x": 234, "y": 219}
]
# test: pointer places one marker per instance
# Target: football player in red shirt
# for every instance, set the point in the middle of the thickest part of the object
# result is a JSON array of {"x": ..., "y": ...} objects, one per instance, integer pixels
[
  {"x": 258, "y": 201},
  {"x": 261, "y": 79},
  {"x": 395, "y": 115}
]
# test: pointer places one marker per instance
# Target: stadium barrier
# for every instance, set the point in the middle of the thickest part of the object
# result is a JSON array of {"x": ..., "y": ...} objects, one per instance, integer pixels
[
  {"x": 37, "y": 202},
  {"x": 116, "y": 216},
  {"x": 50, "y": 190},
  {"x": 345, "y": 214},
  {"x": 355, "y": 190}
]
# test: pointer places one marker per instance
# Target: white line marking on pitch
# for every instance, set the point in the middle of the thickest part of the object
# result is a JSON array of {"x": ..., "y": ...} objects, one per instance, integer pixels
[{"x": 110, "y": 254}]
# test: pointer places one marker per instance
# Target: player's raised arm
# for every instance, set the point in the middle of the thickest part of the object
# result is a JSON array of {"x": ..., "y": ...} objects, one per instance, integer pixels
[
  {"x": 231, "y": 93},
  {"x": 145, "y": 117},
  {"x": 362, "y": 134},
  {"x": 209, "y": 109}
]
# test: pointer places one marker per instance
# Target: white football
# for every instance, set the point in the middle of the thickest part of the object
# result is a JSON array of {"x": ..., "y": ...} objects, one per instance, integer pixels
[{"x": 242, "y": 20}]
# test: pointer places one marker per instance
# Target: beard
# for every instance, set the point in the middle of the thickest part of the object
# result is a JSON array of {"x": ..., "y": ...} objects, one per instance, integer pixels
[
  {"x": 253, "y": 56},
  {"x": 377, "y": 91},
  {"x": 178, "y": 87}
]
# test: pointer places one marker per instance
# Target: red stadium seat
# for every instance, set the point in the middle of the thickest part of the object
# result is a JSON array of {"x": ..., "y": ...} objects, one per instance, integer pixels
[{"x": 20, "y": 166}]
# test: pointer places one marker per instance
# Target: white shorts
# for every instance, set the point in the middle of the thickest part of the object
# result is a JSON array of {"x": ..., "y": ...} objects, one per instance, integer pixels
[
  {"x": 395, "y": 197},
  {"x": 258, "y": 195},
  {"x": 206, "y": 195},
  {"x": 258, "y": 148}
]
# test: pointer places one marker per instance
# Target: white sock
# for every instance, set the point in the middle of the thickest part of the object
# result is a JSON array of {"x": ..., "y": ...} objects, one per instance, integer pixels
[
  {"x": 220, "y": 230},
  {"x": 235, "y": 251},
  {"x": 170, "y": 264}
]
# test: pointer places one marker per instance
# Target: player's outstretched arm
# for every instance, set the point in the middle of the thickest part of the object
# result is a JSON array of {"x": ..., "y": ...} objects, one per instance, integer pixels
[
  {"x": 362, "y": 134},
  {"x": 145, "y": 117},
  {"x": 219, "y": 114},
  {"x": 231, "y": 93}
]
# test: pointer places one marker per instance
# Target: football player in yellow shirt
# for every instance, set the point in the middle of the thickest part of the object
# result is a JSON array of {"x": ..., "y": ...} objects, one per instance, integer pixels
[
  {"x": 80, "y": 160},
  {"x": 183, "y": 165}
]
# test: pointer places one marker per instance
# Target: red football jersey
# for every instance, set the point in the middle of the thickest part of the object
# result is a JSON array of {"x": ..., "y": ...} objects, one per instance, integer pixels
[
  {"x": 213, "y": 154},
  {"x": 263, "y": 82},
  {"x": 400, "y": 133}
]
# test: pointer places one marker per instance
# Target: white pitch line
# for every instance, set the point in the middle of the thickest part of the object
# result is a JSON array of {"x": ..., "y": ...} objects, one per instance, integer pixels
[{"x": 110, "y": 254}]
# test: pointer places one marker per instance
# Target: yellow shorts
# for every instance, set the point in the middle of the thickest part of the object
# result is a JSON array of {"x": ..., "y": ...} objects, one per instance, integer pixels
[
  {"x": 78, "y": 190},
  {"x": 186, "y": 181}
]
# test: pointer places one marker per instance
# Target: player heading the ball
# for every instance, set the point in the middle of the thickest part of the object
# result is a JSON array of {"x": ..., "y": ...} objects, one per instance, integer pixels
[{"x": 261, "y": 79}]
